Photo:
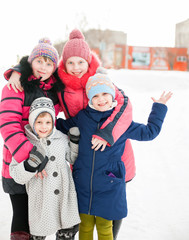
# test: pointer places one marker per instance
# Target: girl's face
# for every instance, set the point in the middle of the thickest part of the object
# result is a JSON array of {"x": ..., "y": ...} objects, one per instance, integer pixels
[
  {"x": 42, "y": 68},
  {"x": 76, "y": 66},
  {"x": 43, "y": 125},
  {"x": 102, "y": 101}
]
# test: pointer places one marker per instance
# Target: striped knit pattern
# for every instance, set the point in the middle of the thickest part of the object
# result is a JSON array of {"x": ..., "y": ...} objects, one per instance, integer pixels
[
  {"x": 44, "y": 49},
  {"x": 39, "y": 105},
  {"x": 99, "y": 83}
]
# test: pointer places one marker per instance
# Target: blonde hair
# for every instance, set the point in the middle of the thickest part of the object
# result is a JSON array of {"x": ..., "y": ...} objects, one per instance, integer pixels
[{"x": 43, "y": 114}]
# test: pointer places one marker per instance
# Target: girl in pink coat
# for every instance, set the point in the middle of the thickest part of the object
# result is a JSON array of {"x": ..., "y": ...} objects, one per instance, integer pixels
[{"x": 38, "y": 79}]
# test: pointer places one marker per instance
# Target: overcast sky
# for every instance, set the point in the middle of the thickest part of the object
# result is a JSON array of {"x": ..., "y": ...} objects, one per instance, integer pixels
[{"x": 146, "y": 22}]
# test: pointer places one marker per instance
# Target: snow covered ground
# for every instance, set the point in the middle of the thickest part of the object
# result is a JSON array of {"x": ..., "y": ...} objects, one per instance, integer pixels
[{"x": 158, "y": 197}]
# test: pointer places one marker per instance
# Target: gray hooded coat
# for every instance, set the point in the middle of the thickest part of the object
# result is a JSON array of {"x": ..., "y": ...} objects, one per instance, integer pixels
[{"x": 52, "y": 201}]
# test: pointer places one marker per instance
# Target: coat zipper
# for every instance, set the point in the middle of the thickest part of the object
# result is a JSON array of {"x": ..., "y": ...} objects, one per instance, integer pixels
[
  {"x": 83, "y": 98},
  {"x": 91, "y": 184},
  {"x": 64, "y": 102}
]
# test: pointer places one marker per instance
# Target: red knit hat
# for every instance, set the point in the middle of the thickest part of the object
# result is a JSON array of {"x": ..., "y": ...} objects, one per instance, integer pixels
[{"x": 76, "y": 47}]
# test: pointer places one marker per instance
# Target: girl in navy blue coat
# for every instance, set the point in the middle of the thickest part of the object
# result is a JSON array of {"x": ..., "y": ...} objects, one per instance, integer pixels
[{"x": 99, "y": 176}]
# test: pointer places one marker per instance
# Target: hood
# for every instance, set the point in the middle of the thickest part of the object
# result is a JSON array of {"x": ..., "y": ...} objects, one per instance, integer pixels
[{"x": 54, "y": 134}]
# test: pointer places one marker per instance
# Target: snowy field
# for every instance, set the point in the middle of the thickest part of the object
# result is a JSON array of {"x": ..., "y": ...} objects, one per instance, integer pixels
[{"x": 158, "y": 197}]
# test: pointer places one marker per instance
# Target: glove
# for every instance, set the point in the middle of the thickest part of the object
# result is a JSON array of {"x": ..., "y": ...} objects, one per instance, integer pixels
[
  {"x": 36, "y": 161},
  {"x": 74, "y": 135},
  {"x": 36, "y": 158}
]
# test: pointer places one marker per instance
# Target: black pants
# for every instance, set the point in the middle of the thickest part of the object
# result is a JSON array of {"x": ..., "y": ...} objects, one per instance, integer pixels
[
  {"x": 20, "y": 212},
  {"x": 116, "y": 227}
]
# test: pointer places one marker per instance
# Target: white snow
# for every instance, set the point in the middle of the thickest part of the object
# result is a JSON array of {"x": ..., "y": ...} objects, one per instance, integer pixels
[{"x": 158, "y": 197}]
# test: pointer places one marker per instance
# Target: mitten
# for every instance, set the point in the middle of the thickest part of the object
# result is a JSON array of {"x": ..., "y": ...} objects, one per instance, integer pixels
[
  {"x": 35, "y": 161},
  {"x": 74, "y": 135},
  {"x": 36, "y": 158}
]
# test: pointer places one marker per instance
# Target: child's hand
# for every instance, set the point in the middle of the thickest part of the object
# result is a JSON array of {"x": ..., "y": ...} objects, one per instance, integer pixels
[
  {"x": 163, "y": 98},
  {"x": 14, "y": 82},
  {"x": 98, "y": 143},
  {"x": 41, "y": 174}
]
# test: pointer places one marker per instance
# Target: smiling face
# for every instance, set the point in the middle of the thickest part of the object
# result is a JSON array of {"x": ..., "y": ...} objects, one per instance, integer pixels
[
  {"x": 43, "y": 125},
  {"x": 76, "y": 66},
  {"x": 42, "y": 68},
  {"x": 102, "y": 101}
]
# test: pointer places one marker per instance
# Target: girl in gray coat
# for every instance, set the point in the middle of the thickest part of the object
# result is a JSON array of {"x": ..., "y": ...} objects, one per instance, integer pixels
[{"x": 52, "y": 199}]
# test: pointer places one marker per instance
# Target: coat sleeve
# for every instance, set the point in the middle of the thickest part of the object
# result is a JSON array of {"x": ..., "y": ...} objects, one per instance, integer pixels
[
  {"x": 11, "y": 127},
  {"x": 72, "y": 145},
  {"x": 18, "y": 172},
  {"x": 71, "y": 154},
  {"x": 64, "y": 125},
  {"x": 142, "y": 132},
  {"x": 118, "y": 122},
  {"x": 7, "y": 73}
]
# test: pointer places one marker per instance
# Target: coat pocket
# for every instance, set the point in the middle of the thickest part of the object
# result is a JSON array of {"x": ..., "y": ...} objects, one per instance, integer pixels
[{"x": 115, "y": 172}]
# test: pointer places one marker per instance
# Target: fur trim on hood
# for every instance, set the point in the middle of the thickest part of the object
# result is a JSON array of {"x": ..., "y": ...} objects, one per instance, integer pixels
[
  {"x": 29, "y": 82},
  {"x": 74, "y": 82}
]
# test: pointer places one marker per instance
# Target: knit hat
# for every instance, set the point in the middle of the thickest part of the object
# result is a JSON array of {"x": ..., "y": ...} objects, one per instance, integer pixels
[
  {"x": 76, "y": 47},
  {"x": 44, "y": 49},
  {"x": 99, "y": 83},
  {"x": 38, "y": 106}
]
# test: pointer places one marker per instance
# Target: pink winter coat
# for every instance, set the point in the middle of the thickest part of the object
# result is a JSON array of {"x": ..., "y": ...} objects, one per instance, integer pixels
[
  {"x": 14, "y": 112},
  {"x": 74, "y": 98}
]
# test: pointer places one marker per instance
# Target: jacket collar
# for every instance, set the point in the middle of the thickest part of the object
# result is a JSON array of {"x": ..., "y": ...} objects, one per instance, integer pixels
[{"x": 98, "y": 116}]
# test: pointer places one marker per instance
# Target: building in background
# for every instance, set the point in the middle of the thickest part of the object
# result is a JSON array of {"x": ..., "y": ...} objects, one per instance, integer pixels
[
  {"x": 156, "y": 58},
  {"x": 162, "y": 58},
  {"x": 182, "y": 35},
  {"x": 109, "y": 45}
]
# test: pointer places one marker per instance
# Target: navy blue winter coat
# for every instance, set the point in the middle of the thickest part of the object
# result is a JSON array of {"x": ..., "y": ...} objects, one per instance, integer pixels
[{"x": 99, "y": 193}]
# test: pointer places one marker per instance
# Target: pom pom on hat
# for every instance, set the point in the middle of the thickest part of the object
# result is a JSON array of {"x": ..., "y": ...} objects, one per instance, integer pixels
[
  {"x": 99, "y": 83},
  {"x": 101, "y": 70},
  {"x": 76, "y": 47},
  {"x": 44, "y": 49},
  {"x": 38, "y": 106},
  {"x": 45, "y": 40},
  {"x": 76, "y": 34}
]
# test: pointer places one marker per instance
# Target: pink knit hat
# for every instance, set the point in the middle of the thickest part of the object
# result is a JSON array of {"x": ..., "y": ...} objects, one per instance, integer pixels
[{"x": 76, "y": 47}]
